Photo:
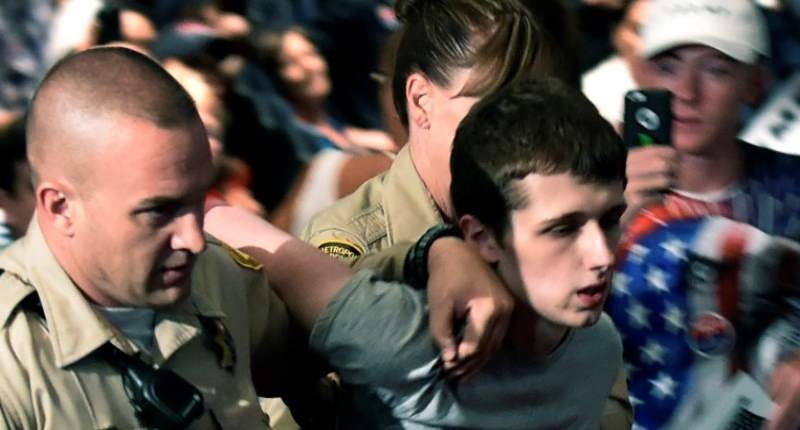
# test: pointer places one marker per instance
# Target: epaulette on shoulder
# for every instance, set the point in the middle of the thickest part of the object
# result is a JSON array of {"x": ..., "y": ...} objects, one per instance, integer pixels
[
  {"x": 241, "y": 258},
  {"x": 13, "y": 292}
]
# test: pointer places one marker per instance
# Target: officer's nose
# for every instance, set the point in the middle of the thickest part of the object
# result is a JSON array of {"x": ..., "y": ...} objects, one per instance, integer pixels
[{"x": 188, "y": 233}]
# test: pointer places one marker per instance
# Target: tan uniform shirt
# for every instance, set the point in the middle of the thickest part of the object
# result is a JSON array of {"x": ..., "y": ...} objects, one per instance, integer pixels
[
  {"x": 50, "y": 378},
  {"x": 396, "y": 206},
  {"x": 392, "y": 207}
]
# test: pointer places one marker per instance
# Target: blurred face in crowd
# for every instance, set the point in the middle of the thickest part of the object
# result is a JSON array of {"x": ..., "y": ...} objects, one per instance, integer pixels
[
  {"x": 303, "y": 70},
  {"x": 709, "y": 88},
  {"x": 557, "y": 254},
  {"x": 136, "y": 28},
  {"x": 137, "y": 215},
  {"x": 207, "y": 101},
  {"x": 627, "y": 37}
]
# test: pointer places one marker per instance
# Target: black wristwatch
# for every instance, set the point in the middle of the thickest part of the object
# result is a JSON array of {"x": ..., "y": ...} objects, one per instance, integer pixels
[{"x": 415, "y": 270}]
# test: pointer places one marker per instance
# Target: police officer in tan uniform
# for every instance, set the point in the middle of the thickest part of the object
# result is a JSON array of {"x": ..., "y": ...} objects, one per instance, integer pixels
[
  {"x": 433, "y": 90},
  {"x": 52, "y": 376},
  {"x": 115, "y": 274}
]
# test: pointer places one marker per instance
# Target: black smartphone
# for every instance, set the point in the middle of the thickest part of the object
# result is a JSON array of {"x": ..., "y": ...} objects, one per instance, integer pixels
[{"x": 648, "y": 118}]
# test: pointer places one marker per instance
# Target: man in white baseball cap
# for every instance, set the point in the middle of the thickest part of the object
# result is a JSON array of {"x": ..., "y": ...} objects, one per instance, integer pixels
[
  {"x": 710, "y": 55},
  {"x": 734, "y": 28}
]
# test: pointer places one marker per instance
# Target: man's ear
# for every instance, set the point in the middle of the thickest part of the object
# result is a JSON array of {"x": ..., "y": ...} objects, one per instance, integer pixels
[
  {"x": 480, "y": 238},
  {"x": 418, "y": 99},
  {"x": 758, "y": 78},
  {"x": 56, "y": 203}
]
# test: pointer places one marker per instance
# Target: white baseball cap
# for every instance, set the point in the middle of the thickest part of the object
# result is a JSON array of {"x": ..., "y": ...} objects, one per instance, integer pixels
[{"x": 734, "y": 27}]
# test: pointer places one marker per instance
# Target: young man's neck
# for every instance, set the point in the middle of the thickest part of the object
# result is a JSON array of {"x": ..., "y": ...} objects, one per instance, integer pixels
[
  {"x": 711, "y": 172},
  {"x": 533, "y": 335}
]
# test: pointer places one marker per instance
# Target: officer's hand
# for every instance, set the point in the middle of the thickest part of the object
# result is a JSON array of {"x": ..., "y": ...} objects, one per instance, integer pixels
[
  {"x": 462, "y": 287},
  {"x": 785, "y": 392},
  {"x": 650, "y": 171}
]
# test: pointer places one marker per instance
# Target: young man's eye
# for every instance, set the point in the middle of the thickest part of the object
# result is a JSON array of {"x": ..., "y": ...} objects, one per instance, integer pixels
[{"x": 562, "y": 230}]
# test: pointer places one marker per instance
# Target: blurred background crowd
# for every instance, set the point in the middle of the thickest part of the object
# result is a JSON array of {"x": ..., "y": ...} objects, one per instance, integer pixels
[{"x": 295, "y": 93}]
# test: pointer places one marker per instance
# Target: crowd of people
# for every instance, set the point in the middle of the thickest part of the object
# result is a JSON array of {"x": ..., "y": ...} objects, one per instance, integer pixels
[{"x": 397, "y": 214}]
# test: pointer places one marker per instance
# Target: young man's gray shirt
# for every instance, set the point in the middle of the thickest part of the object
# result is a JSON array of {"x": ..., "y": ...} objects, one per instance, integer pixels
[{"x": 377, "y": 338}]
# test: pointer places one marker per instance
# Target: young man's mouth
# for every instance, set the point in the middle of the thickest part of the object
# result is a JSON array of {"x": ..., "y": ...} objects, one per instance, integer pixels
[{"x": 594, "y": 295}]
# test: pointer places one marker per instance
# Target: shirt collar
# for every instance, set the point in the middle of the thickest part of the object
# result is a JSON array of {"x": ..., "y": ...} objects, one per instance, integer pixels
[{"x": 75, "y": 328}]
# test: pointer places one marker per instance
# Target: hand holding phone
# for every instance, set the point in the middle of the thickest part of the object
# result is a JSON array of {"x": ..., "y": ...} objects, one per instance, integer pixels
[
  {"x": 648, "y": 118},
  {"x": 652, "y": 162}
]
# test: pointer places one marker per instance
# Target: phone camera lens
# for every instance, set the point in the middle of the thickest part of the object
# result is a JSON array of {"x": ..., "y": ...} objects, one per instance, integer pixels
[{"x": 647, "y": 118}]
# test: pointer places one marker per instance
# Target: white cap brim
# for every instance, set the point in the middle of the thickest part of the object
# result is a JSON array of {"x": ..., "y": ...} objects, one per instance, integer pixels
[{"x": 738, "y": 52}]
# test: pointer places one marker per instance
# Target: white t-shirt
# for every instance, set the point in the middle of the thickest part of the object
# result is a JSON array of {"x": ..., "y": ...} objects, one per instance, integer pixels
[{"x": 606, "y": 84}]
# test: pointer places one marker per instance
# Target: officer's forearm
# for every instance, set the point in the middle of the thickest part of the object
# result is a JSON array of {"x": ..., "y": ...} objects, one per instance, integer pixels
[
  {"x": 240, "y": 228},
  {"x": 305, "y": 278}
]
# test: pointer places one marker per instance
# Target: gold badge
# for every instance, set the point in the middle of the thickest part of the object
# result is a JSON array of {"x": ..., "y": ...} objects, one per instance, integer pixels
[
  {"x": 341, "y": 249},
  {"x": 221, "y": 342},
  {"x": 243, "y": 259}
]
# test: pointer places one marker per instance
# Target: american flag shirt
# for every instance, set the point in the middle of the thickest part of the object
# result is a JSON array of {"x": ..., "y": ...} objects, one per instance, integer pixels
[{"x": 697, "y": 283}]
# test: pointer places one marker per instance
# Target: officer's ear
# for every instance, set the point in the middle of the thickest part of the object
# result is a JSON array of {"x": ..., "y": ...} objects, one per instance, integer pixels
[
  {"x": 56, "y": 204},
  {"x": 418, "y": 99},
  {"x": 480, "y": 238}
]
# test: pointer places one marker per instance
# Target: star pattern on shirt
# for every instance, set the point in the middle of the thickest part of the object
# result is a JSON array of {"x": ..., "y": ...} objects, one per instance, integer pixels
[
  {"x": 663, "y": 386},
  {"x": 675, "y": 248},
  {"x": 638, "y": 253},
  {"x": 652, "y": 320},
  {"x": 619, "y": 284},
  {"x": 638, "y": 315},
  {"x": 657, "y": 279},
  {"x": 653, "y": 352},
  {"x": 674, "y": 318}
]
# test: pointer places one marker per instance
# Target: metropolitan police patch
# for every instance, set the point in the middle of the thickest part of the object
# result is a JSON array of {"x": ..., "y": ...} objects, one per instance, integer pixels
[{"x": 341, "y": 249}]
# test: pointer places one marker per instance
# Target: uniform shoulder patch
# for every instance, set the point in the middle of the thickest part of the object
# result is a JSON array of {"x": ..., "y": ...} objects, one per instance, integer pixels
[
  {"x": 341, "y": 249},
  {"x": 242, "y": 258}
]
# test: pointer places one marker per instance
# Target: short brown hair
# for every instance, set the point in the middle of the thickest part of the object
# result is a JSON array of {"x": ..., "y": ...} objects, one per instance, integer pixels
[{"x": 534, "y": 127}]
